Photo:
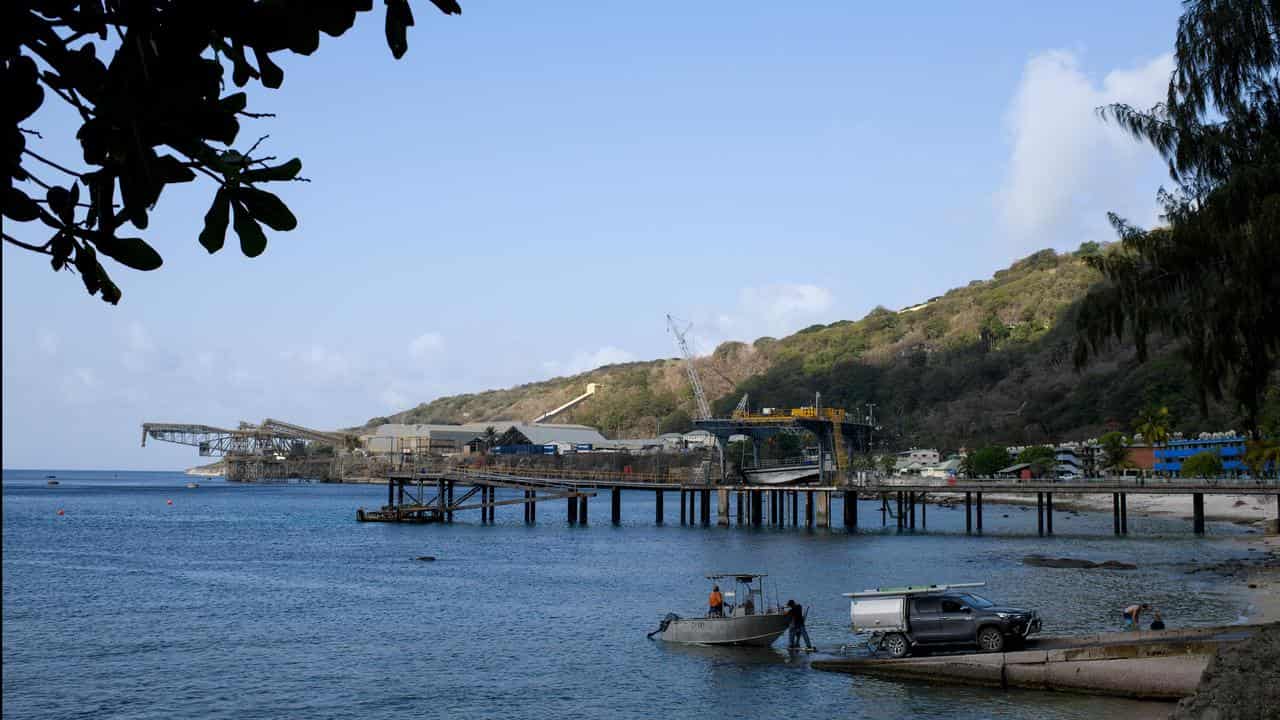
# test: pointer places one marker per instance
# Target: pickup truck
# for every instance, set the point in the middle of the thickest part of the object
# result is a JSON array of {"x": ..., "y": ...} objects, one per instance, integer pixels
[{"x": 916, "y": 620}]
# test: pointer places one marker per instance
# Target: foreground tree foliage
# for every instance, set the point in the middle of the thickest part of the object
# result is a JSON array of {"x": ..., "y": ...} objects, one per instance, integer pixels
[
  {"x": 1210, "y": 279},
  {"x": 155, "y": 112}
]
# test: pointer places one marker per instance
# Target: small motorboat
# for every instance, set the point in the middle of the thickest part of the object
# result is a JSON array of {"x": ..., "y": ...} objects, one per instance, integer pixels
[
  {"x": 193, "y": 485},
  {"x": 51, "y": 481},
  {"x": 749, "y": 620}
]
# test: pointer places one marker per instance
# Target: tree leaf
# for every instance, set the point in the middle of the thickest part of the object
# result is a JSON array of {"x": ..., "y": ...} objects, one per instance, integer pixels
[
  {"x": 272, "y": 75},
  {"x": 285, "y": 171},
  {"x": 60, "y": 202},
  {"x": 252, "y": 239},
  {"x": 87, "y": 265},
  {"x": 399, "y": 19},
  {"x": 215, "y": 222},
  {"x": 134, "y": 252},
  {"x": 20, "y": 207},
  {"x": 267, "y": 207}
]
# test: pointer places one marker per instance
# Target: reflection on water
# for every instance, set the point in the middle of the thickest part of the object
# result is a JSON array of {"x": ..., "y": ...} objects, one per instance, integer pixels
[{"x": 271, "y": 601}]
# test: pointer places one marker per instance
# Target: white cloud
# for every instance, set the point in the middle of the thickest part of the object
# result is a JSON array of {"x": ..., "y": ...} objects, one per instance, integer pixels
[
  {"x": 588, "y": 360},
  {"x": 1068, "y": 167},
  {"x": 320, "y": 364},
  {"x": 425, "y": 345},
  {"x": 137, "y": 346},
  {"x": 47, "y": 341},
  {"x": 775, "y": 310}
]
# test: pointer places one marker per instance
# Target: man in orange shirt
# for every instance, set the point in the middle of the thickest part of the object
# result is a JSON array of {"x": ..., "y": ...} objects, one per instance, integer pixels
[{"x": 716, "y": 601}]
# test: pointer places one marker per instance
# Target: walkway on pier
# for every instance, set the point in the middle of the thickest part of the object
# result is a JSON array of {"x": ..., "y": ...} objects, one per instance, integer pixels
[{"x": 809, "y": 506}]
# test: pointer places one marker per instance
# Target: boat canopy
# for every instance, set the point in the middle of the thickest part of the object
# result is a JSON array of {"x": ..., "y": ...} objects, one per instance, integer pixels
[
  {"x": 741, "y": 577},
  {"x": 910, "y": 590}
]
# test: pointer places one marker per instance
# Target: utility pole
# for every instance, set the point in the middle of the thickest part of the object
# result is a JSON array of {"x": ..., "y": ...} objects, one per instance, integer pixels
[{"x": 871, "y": 420}]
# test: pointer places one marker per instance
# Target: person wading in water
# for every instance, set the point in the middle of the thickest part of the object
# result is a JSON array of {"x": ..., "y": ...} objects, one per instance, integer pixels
[{"x": 795, "y": 611}]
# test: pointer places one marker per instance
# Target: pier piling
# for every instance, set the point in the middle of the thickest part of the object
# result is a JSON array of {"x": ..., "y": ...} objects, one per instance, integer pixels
[
  {"x": 616, "y": 506},
  {"x": 1124, "y": 513},
  {"x": 571, "y": 510},
  {"x": 1048, "y": 513},
  {"x": 657, "y": 507},
  {"x": 979, "y": 499},
  {"x": 722, "y": 502},
  {"x": 582, "y": 510},
  {"x": 968, "y": 513},
  {"x": 1040, "y": 514},
  {"x": 1197, "y": 513}
]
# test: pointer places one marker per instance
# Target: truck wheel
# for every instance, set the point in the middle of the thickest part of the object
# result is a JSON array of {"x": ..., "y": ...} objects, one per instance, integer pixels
[
  {"x": 895, "y": 644},
  {"x": 990, "y": 639}
]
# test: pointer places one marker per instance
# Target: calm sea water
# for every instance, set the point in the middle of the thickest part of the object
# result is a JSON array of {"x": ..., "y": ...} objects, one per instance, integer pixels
[{"x": 243, "y": 601}]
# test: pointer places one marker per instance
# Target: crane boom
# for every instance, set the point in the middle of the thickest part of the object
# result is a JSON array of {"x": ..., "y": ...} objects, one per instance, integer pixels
[{"x": 699, "y": 397}]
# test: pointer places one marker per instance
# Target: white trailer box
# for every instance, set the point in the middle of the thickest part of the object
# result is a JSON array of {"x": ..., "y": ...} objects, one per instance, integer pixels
[{"x": 878, "y": 614}]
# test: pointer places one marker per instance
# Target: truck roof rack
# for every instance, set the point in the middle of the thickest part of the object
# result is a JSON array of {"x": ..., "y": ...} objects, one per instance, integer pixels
[{"x": 910, "y": 590}]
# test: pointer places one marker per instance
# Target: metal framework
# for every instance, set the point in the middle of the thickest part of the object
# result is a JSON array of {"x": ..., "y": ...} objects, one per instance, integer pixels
[{"x": 700, "y": 397}]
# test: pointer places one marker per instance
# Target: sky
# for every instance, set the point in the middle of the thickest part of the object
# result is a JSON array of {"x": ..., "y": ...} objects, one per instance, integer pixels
[{"x": 534, "y": 186}]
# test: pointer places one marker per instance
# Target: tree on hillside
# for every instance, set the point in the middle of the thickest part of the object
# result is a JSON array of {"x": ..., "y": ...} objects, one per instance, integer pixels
[
  {"x": 1041, "y": 458},
  {"x": 153, "y": 114},
  {"x": 1153, "y": 424},
  {"x": 888, "y": 463},
  {"x": 1202, "y": 465},
  {"x": 1115, "y": 451},
  {"x": 985, "y": 462},
  {"x": 1263, "y": 457},
  {"x": 1211, "y": 278}
]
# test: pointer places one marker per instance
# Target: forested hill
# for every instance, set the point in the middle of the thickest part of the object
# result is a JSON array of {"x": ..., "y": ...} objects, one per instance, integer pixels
[{"x": 987, "y": 362}]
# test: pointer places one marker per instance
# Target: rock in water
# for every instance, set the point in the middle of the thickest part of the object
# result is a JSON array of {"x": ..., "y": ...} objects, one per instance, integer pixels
[
  {"x": 1042, "y": 561},
  {"x": 426, "y": 558}
]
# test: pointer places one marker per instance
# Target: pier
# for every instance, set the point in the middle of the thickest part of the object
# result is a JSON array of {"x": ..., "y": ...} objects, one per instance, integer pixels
[{"x": 725, "y": 505}]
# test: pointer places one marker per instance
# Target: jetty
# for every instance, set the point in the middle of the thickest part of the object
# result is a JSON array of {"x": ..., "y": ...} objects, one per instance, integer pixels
[
  {"x": 726, "y": 505},
  {"x": 1147, "y": 665}
]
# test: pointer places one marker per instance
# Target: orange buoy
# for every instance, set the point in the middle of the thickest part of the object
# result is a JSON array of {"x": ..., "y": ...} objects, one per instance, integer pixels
[
  {"x": 168, "y": 502},
  {"x": 62, "y": 512}
]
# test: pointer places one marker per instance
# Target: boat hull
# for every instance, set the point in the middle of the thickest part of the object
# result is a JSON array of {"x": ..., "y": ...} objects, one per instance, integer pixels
[
  {"x": 786, "y": 475},
  {"x": 749, "y": 630}
]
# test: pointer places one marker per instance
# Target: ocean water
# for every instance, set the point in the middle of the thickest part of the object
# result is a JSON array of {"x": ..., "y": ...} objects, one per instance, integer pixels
[{"x": 268, "y": 601}]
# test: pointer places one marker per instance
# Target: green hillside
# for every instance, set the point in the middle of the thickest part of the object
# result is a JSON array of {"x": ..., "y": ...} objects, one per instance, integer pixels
[{"x": 987, "y": 362}]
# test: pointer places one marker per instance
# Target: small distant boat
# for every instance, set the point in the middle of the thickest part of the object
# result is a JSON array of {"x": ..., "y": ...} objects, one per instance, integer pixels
[
  {"x": 193, "y": 485},
  {"x": 749, "y": 622},
  {"x": 51, "y": 476},
  {"x": 50, "y": 482}
]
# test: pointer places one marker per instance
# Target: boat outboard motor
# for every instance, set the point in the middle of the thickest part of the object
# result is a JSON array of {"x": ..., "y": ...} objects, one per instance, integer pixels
[{"x": 663, "y": 625}]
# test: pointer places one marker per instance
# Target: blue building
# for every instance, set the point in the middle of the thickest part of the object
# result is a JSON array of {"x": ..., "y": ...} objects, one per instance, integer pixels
[{"x": 1230, "y": 449}]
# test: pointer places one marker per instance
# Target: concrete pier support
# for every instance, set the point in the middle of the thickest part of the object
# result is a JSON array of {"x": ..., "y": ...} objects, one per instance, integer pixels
[
  {"x": 571, "y": 510},
  {"x": 979, "y": 509},
  {"x": 616, "y": 506},
  {"x": 582, "y": 510},
  {"x": 448, "y": 517},
  {"x": 1115, "y": 513},
  {"x": 808, "y": 509},
  {"x": 756, "y": 510},
  {"x": 773, "y": 507},
  {"x": 722, "y": 516},
  {"x": 795, "y": 508},
  {"x": 911, "y": 503},
  {"x": 1040, "y": 514},
  {"x": 968, "y": 513},
  {"x": 851, "y": 509},
  {"x": 742, "y": 498},
  {"x": 1124, "y": 513},
  {"x": 824, "y": 509},
  {"x": 1048, "y": 513},
  {"x": 706, "y": 507},
  {"x": 684, "y": 506},
  {"x": 1197, "y": 513},
  {"x": 924, "y": 519},
  {"x": 657, "y": 507}
]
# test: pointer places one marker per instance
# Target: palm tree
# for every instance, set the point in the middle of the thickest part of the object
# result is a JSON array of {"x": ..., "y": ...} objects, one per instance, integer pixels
[
  {"x": 1153, "y": 424},
  {"x": 1262, "y": 454},
  {"x": 490, "y": 437}
]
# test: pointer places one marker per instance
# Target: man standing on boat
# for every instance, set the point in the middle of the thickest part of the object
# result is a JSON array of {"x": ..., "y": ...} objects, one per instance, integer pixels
[
  {"x": 716, "y": 602},
  {"x": 795, "y": 611}
]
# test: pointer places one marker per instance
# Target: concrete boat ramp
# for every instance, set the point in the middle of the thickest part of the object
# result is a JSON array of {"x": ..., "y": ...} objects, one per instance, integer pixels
[{"x": 1149, "y": 665}]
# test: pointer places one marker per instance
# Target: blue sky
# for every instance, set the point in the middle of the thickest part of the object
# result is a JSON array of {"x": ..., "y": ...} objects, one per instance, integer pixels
[{"x": 534, "y": 186}]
